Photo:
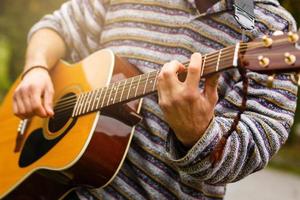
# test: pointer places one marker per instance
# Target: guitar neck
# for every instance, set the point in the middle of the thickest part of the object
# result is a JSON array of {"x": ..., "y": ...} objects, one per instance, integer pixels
[{"x": 142, "y": 85}]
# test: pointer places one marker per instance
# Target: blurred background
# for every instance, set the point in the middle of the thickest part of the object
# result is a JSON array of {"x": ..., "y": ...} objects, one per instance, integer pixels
[{"x": 16, "y": 17}]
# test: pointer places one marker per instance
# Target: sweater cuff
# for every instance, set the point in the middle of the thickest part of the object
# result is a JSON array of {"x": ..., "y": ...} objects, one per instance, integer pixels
[{"x": 182, "y": 156}]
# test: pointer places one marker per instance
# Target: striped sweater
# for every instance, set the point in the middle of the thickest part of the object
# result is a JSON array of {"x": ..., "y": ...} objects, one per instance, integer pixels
[{"x": 152, "y": 32}]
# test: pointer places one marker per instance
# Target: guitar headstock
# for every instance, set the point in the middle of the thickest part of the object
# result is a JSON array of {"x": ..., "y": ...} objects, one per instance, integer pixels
[{"x": 276, "y": 53}]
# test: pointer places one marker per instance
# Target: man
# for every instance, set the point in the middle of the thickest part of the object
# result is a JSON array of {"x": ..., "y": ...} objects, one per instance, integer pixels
[{"x": 172, "y": 149}]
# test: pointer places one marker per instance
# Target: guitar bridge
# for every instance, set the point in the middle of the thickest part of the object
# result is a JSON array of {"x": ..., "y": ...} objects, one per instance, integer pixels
[{"x": 21, "y": 133}]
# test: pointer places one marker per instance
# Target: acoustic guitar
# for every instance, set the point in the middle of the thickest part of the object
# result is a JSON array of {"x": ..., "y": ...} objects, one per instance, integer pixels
[{"x": 96, "y": 105}]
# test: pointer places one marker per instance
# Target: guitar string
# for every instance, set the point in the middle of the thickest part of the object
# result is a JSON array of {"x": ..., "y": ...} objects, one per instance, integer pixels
[
  {"x": 86, "y": 106},
  {"x": 207, "y": 62},
  {"x": 74, "y": 99},
  {"x": 63, "y": 102},
  {"x": 211, "y": 56},
  {"x": 90, "y": 96},
  {"x": 60, "y": 114},
  {"x": 210, "y": 59}
]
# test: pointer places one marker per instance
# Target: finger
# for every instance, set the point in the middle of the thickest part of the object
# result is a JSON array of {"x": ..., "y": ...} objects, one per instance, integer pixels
[
  {"x": 168, "y": 78},
  {"x": 25, "y": 99},
  {"x": 36, "y": 101},
  {"x": 194, "y": 70},
  {"x": 15, "y": 106},
  {"x": 170, "y": 71},
  {"x": 211, "y": 88},
  {"x": 48, "y": 102},
  {"x": 20, "y": 107}
]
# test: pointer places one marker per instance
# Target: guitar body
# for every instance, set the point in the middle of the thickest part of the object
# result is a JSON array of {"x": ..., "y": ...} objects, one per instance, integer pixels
[{"x": 57, "y": 154}]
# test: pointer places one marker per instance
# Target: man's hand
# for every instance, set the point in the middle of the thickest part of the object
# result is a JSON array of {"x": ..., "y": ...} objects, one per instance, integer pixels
[
  {"x": 186, "y": 108},
  {"x": 34, "y": 95}
]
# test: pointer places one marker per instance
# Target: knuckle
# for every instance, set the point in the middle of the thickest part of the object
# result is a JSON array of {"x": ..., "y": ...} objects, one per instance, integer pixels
[
  {"x": 51, "y": 91},
  {"x": 31, "y": 88},
  {"x": 160, "y": 77},
  {"x": 166, "y": 73},
  {"x": 174, "y": 62},
  {"x": 215, "y": 98},
  {"x": 24, "y": 89},
  {"x": 35, "y": 106},
  {"x": 164, "y": 105},
  {"x": 194, "y": 69},
  {"x": 175, "y": 100},
  {"x": 190, "y": 96},
  {"x": 15, "y": 95}
]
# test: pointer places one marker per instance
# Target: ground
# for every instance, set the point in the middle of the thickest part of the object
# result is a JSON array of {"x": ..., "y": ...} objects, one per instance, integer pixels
[{"x": 268, "y": 184}]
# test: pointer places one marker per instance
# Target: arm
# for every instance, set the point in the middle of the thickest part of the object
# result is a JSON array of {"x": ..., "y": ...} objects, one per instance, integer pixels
[
  {"x": 34, "y": 94},
  {"x": 72, "y": 32},
  {"x": 44, "y": 52},
  {"x": 261, "y": 131}
]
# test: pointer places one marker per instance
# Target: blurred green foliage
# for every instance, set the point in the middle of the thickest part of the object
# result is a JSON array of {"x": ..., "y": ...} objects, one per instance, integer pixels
[
  {"x": 5, "y": 56},
  {"x": 16, "y": 18}
]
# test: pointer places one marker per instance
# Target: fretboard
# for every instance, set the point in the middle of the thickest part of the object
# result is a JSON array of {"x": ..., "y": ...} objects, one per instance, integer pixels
[{"x": 141, "y": 85}]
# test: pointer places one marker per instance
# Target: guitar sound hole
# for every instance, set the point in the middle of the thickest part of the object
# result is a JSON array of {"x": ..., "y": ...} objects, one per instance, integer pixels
[{"x": 63, "y": 112}]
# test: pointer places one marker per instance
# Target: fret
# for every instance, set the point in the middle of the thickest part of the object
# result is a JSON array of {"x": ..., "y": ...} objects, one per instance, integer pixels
[
  {"x": 111, "y": 87},
  {"x": 236, "y": 55},
  {"x": 95, "y": 98},
  {"x": 138, "y": 85},
  {"x": 87, "y": 102},
  {"x": 90, "y": 101},
  {"x": 75, "y": 111},
  {"x": 121, "y": 97},
  {"x": 129, "y": 88},
  {"x": 106, "y": 88},
  {"x": 133, "y": 87},
  {"x": 203, "y": 64},
  {"x": 144, "y": 91},
  {"x": 117, "y": 91},
  {"x": 99, "y": 98},
  {"x": 155, "y": 79},
  {"x": 218, "y": 61},
  {"x": 82, "y": 103}
]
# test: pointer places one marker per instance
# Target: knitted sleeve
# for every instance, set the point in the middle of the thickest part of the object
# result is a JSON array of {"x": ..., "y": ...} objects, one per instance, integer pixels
[
  {"x": 262, "y": 129},
  {"x": 79, "y": 23}
]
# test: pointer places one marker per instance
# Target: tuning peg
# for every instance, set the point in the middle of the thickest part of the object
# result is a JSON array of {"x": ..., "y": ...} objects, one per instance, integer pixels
[
  {"x": 263, "y": 61},
  {"x": 267, "y": 41},
  {"x": 289, "y": 58},
  {"x": 270, "y": 80},
  {"x": 296, "y": 78},
  {"x": 293, "y": 37}
]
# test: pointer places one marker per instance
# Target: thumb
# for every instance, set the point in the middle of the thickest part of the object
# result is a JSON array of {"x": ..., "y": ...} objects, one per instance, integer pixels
[{"x": 211, "y": 88}]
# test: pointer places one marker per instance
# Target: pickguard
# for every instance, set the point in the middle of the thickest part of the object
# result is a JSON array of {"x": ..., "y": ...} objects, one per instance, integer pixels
[{"x": 36, "y": 145}]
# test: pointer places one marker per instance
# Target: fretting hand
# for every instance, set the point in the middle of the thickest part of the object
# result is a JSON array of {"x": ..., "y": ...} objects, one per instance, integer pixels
[{"x": 187, "y": 109}]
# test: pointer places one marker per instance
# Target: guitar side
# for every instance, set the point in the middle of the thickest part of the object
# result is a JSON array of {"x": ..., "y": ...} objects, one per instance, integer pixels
[{"x": 71, "y": 155}]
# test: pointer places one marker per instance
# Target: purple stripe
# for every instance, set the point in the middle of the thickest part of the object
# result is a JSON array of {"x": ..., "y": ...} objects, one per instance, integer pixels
[
  {"x": 153, "y": 138},
  {"x": 148, "y": 46},
  {"x": 150, "y": 8},
  {"x": 150, "y": 182},
  {"x": 196, "y": 36}
]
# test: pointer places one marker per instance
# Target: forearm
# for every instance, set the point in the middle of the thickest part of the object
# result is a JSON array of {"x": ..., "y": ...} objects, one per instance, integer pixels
[
  {"x": 45, "y": 48},
  {"x": 261, "y": 131}
]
